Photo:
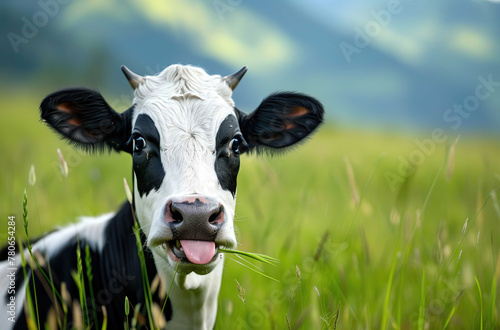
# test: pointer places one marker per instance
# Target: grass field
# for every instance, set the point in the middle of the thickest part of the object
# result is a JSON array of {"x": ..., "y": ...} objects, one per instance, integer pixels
[{"x": 371, "y": 253}]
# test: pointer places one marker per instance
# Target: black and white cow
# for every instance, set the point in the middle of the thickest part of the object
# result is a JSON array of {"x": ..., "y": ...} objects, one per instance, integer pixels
[{"x": 185, "y": 136}]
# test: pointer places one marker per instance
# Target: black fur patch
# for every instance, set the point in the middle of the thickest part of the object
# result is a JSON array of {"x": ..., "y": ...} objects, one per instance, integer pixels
[
  {"x": 82, "y": 116},
  {"x": 227, "y": 163},
  {"x": 116, "y": 274},
  {"x": 147, "y": 162},
  {"x": 280, "y": 121}
]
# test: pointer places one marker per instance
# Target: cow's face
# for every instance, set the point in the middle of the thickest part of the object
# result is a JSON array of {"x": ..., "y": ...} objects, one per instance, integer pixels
[
  {"x": 186, "y": 156},
  {"x": 185, "y": 137}
]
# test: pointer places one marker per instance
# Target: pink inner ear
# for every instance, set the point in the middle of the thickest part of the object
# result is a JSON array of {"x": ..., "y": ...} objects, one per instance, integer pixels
[
  {"x": 297, "y": 112},
  {"x": 75, "y": 122},
  {"x": 289, "y": 125},
  {"x": 64, "y": 107}
]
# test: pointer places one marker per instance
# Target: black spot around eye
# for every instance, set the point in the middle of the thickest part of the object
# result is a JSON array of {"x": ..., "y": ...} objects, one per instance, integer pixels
[
  {"x": 227, "y": 162},
  {"x": 147, "y": 162}
]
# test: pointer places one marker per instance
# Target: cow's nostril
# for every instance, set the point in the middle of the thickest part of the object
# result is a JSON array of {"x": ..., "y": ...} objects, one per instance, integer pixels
[
  {"x": 176, "y": 215},
  {"x": 215, "y": 216}
]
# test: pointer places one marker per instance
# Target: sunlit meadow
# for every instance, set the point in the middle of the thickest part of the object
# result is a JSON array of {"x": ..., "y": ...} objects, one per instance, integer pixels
[{"x": 356, "y": 248}]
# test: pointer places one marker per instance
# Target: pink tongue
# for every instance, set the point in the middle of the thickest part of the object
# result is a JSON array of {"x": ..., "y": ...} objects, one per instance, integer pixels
[{"x": 198, "y": 252}]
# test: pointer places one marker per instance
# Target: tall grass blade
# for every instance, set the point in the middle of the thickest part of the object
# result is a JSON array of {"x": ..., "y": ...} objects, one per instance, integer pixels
[
  {"x": 493, "y": 294},
  {"x": 248, "y": 263},
  {"x": 480, "y": 300},
  {"x": 169, "y": 288},
  {"x": 145, "y": 281},
  {"x": 127, "y": 311},
  {"x": 104, "y": 318},
  {"x": 31, "y": 310},
  {"x": 453, "y": 309},
  {"x": 90, "y": 277},
  {"x": 255, "y": 271},
  {"x": 80, "y": 279},
  {"x": 385, "y": 308},
  {"x": 452, "y": 255},
  {"x": 30, "y": 251},
  {"x": 448, "y": 319},
  {"x": 336, "y": 317},
  {"x": 421, "y": 311},
  {"x": 260, "y": 257},
  {"x": 496, "y": 206},
  {"x": 25, "y": 221}
]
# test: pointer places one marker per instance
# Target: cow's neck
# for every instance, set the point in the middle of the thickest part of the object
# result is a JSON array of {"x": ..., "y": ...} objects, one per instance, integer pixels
[{"x": 193, "y": 299}]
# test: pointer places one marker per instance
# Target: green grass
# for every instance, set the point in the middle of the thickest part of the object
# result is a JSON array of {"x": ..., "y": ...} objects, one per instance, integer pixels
[{"x": 367, "y": 255}]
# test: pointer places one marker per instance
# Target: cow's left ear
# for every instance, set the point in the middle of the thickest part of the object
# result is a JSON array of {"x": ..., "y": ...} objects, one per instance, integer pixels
[
  {"x": 82, "y": 116},
  {"x": 280, "y": 121}
]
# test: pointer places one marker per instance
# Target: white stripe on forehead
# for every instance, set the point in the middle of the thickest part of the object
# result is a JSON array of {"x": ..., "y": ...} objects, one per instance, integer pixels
[
  {"x": 177, "y": 80},
  {"x": 184, "y": 101}
]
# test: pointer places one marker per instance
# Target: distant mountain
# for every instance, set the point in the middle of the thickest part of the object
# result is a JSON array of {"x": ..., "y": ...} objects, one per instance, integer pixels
[{"x": 407, "y": 77}]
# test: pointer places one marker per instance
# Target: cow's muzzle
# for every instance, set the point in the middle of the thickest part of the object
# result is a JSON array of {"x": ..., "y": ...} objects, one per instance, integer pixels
[{"x": 195, "y": 221}]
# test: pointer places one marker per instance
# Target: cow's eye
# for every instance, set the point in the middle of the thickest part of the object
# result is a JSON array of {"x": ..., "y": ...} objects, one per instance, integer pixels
[
  {"x": 139, "y": 143},
  {"x": 235, "y": 144}
]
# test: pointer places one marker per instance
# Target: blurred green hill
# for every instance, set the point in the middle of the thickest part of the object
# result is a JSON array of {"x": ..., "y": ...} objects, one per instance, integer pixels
[{"x": 424, "y": 58}]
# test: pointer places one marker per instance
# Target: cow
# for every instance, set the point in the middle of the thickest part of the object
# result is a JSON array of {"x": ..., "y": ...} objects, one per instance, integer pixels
[{"x": 185, "y": 136}]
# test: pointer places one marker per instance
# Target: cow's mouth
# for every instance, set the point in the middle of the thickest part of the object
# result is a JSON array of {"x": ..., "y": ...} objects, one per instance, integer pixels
[{"x": 192, "y": 251}]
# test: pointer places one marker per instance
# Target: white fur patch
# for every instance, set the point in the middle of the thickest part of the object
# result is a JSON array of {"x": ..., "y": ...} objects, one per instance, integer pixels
[
  {"x": 89, "y": 229},
  {"x": 187, "y": 106}
]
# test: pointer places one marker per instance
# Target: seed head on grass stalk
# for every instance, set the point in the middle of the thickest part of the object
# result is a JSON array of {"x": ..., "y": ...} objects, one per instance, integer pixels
[
  {"x": 464, "y": 228},
  {"x": 127, "y": 311},
  {"x": 241, "y": 291},
  {"x": 25, "y": 216},
  {"x": 32, "y": 176},
  {"x": 127, "y": 191},
  {"x": 62, "y": 163}
]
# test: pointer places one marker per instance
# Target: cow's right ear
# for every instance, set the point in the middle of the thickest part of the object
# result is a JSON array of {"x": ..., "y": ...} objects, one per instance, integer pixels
[{"x": 82, "y": 116}]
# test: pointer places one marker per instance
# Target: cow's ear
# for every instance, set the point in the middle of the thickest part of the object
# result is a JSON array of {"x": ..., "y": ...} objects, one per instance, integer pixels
[
  {"x": 83, "y": 117},
  {"x": 281, "y": 121}
]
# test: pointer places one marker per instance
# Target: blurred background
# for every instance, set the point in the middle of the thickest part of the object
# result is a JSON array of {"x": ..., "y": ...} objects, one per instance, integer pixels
[
  {"x": 374, "y": 64},
  {"x": 400, "y": 182}
]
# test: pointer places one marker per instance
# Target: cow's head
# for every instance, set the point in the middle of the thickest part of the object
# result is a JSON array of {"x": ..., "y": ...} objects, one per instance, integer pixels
[{"x": 186, "y": 138}]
